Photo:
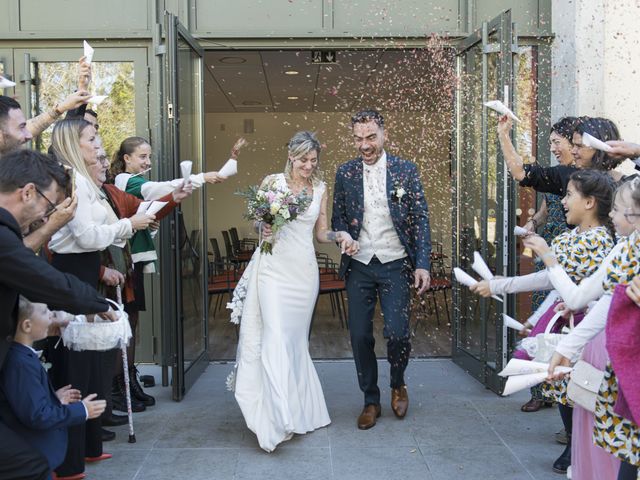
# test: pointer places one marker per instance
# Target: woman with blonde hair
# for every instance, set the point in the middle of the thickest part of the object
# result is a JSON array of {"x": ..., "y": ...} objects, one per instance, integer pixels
[{"x": 76, "y": 249}]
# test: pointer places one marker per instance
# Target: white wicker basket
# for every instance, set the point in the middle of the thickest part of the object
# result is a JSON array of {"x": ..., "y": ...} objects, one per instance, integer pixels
[{"x": 98, "y": 335}]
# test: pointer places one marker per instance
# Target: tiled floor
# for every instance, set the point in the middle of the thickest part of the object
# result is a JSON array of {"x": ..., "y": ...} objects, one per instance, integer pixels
[{"x": 455, "y": 429}]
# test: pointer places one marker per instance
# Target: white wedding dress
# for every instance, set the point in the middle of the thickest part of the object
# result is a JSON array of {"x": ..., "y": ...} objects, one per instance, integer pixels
[{"x": 276, "y": 384}]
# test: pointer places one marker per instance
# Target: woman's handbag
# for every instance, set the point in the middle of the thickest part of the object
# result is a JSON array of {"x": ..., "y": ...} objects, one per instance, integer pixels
[
  {"x": 542, "y": 346},
  {"x": 584, "y": 385}
]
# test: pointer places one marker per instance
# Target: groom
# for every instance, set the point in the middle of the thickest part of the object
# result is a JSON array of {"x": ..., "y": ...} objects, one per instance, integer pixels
[{"x": 379, "y": 200}]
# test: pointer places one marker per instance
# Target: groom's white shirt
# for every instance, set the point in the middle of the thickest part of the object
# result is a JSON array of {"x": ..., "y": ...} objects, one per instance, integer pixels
[{"x": 377, "y": 235}]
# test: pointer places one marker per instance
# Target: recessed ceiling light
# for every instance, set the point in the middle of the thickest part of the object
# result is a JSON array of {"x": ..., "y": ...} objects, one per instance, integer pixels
[
  {"x": 292, "y": 98},
  {"x": 233, "y": 60},
  {"x": 291, "y": 72},
  {"x": 251, "y": 102}
]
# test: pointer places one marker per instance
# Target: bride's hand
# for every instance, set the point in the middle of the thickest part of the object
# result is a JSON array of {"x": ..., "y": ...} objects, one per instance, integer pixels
[
  {"x": 266, "y": 230},
  {"x": 348, "y": 245}
]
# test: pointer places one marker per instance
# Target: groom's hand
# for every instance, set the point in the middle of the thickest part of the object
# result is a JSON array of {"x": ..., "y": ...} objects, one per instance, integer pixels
[{"x": 422, "y": 280}]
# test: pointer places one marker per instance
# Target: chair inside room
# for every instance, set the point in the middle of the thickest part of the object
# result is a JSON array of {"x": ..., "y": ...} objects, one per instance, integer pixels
[
  {"x": 242, "y": 246},
  {"x": 332, "y": 285},
  {"x": 427, "y": 303},
  {"x": 232, "y": 256}
]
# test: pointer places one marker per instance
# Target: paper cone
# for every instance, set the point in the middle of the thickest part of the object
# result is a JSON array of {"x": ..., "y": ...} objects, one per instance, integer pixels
[
  {"x": 501, "y": 108},
  {"x": 512, "y": 323},
  {"x": 517, "y": 366},
  {"x": 98, "y": 99},
  {"x": 88, "y": 52},
  {"x": 143, "y": 207},
  {"x": 468, "y": 281},
  {"x": 185, "y": 168},
  {"x": 155, "y": 207},
  {"x": 593, "y": 142},
  {"x": 480, "y": 267},
  {"x": 229, "y": 169},
  {"x": 519, "y": 231},
  {"x": 521, "y": 382},
  {"x": 6, "y": 83}
]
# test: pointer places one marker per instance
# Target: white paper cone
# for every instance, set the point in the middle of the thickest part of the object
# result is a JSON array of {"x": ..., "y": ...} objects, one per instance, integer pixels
[
  {"x": 155, "y": 207},
  {"x": 6, "y": 83},
  {"x": 519, "y": 231},
  {"x": 521, "y": 382},
  {"x": 185, "y": 168},
  {"x": 512, "y": 323},
  {"x": 593, "y": 142},
  {"x": 480, "y": 267},
  {"x": 501, "y": 108},
  {"x": 143, "y": 207},
  {"x": 468, "y": 281},
  {"x": 517, "y": 366},
  {"x": 229, "y": 169},
  {"x": 464, "y": 278},
  {"x": 98, "y": 99},
  {"x": 88, "y": 51}
]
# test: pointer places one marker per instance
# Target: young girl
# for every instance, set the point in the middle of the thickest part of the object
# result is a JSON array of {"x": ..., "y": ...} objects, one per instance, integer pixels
[
  {"x": 617, "y": 435},
  {"x": 580, "y": 251}
]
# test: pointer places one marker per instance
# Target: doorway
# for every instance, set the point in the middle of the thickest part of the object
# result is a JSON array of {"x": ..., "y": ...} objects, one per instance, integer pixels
[{"x": 266, "y": 96}]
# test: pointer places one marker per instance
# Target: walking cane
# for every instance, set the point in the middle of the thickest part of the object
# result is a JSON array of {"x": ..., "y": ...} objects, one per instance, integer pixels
[{"x": 125, "y": 368}]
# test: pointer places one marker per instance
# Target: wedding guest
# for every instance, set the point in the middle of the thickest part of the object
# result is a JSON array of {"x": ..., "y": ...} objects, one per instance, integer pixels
[
  {"x": 379, "y": 200},
  {"x": 130, "y": 163},
  {"x": 30, "y": 186},
  {"x": 28, "y": 403},
  {"x": 550, "y": 217},
  {"x": 616, "y": 434}
]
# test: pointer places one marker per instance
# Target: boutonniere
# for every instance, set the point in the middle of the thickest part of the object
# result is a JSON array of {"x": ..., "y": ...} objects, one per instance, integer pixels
[{"x": 398, "y": 192}]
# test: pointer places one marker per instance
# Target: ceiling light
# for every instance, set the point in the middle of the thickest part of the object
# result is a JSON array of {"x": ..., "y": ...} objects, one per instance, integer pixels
[
  {"x": 251, "y": 102},
  {"x": 291, "y": 72},
  {"x": 232, "y": 60},
  {"x": 292, "y": 98}
]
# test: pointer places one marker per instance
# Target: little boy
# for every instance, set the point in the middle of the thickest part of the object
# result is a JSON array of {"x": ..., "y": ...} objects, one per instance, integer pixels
[{"x": 28, "y": 404}]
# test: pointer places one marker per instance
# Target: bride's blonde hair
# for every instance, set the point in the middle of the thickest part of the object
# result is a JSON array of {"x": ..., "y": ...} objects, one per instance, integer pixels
[{"x": 301, "y": 144}]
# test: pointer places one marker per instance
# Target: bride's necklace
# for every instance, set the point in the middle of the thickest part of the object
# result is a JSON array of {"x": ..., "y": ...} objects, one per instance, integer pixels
[{"x": 298, "y": 187}]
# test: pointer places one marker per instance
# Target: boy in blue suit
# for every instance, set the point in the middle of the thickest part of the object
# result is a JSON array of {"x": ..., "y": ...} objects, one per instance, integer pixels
[{"x": 28, "y": 404}]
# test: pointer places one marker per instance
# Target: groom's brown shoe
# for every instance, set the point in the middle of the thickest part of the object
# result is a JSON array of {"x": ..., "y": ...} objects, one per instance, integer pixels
[
  {"x": 367, "y": 418},
  {"x": 400, "y": 401}
]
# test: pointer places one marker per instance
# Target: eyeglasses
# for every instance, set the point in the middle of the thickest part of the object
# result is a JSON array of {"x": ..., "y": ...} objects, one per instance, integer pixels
[{"x": 52, "y": 206}]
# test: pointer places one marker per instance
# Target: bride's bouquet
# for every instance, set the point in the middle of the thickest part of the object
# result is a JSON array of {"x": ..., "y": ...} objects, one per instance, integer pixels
[{"x": 275, "y": 206}]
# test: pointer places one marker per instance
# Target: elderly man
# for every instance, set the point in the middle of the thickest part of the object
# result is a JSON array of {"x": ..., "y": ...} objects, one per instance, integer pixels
[{"x": 31, "y": 185}]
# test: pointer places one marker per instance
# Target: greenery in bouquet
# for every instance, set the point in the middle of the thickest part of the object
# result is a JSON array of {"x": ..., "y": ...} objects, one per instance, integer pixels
[{"x": 275, "y": 206}]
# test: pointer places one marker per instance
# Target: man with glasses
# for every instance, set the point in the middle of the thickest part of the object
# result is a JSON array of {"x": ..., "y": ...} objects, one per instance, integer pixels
[{"x": 30, "y": 186}]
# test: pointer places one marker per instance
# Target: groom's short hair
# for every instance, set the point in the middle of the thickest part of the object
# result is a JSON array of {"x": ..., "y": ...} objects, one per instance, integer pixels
[{"x": 364, "y": 116}]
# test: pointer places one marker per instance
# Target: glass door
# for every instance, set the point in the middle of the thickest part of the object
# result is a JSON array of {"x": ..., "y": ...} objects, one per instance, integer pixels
[
  {"x": 483, "y": 197},
  {"x": 184, "y": 303}
]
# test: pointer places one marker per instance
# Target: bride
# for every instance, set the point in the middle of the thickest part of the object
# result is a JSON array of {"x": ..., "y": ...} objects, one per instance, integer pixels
[{"x": 276, "y": 384}]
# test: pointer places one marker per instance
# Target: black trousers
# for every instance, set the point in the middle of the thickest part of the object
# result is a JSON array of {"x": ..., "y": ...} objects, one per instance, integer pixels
[
  {"x": 365, "y": 283},
  {"x": 18, "y": 459}
]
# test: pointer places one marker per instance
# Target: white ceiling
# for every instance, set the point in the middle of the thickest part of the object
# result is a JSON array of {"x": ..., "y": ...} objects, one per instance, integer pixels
[{"x": 392, "y": 80}]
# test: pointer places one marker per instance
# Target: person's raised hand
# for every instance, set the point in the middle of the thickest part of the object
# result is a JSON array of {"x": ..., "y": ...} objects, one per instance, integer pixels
[
  {"x": 505, "y": 124},
  {"x": 141, "y": 221},
  {"x": 74, "y": 100},
  {"x": 241, "y": 142},
  {"x": 621, "y": 149},
  {"x": 214, "y": 177},
  {"x": 95, "y": 408},
  {"x": 482, "y": 288},
  {"x": 84, "y": 73},
  {"x": 182, "y": 191},
  {"x": 536, "y": 243},
  {"x": 63, "y": 214},
  {"x": 68, "y": 395}
]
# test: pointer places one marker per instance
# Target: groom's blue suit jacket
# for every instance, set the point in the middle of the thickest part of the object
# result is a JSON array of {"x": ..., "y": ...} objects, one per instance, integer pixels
[{"x": 409, "y": 212}]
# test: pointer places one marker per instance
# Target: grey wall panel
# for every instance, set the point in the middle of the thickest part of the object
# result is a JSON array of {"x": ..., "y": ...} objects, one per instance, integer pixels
[
  {"x": 532, "y": 17},
  {"x": 84, "y": 16},
  {"x": 381, "y": 18},
  {"x": 252, "y": 18},
  {"x": 5, "y": 16}
]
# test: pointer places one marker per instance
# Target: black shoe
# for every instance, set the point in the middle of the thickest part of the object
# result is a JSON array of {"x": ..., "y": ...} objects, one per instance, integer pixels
[
  {"x": 108, "y": 435},
  {"x": 136, "y": 389},
  {"x": 564, "y": 461},
  {"x": 114, "y": 420},
  {"x": 120, "y": 403}
]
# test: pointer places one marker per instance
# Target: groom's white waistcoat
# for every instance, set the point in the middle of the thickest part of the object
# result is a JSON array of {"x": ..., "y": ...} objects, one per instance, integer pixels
[{"x": 378, "y": 235}]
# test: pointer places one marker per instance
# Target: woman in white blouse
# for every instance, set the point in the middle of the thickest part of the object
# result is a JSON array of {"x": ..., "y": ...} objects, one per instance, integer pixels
[{"x": 76, "y": 249}]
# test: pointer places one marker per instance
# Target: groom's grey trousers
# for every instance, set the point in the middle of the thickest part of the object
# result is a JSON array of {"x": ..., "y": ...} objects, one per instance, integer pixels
[{"x": 365, "y": 283}]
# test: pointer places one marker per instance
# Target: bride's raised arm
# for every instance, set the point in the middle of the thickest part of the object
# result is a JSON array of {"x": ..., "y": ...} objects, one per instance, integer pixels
[{"x": 324, "y": 235}]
